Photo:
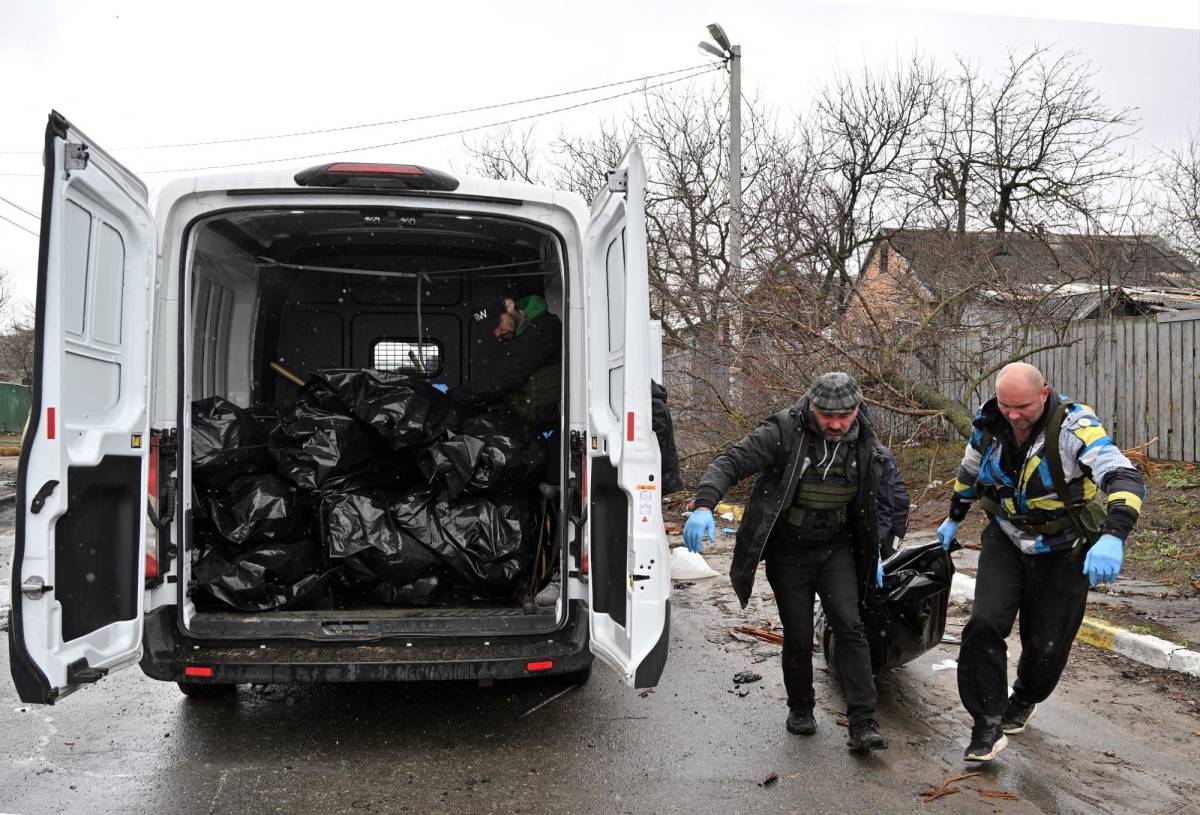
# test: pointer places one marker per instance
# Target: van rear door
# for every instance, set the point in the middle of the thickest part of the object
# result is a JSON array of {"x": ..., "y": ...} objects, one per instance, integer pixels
[
  {"x": 78, "y": 562},
  {"x": 629, "y": 576}
]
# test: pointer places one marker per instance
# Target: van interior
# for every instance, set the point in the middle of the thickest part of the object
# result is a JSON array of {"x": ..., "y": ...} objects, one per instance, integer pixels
[{"x": 277, "y": 296}]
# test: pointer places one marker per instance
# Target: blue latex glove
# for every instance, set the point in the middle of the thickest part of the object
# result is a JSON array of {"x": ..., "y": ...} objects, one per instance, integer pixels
[
  {"x": 1103, "y": 561},
  {"x": 946, "y": 532},
  {"x": 441, "y": 387},
  {"x": 699, "y": 522},
  {"x": 879, "y": 573}
]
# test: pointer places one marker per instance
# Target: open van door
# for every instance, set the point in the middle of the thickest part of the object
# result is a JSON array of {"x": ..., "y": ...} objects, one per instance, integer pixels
[
  {"x": 78, "y": 563},
  {"x": 629, "y": 582}
]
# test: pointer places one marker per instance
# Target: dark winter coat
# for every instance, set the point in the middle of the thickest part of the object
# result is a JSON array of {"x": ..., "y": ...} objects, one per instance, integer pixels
[
  {"x": 892, "y": 505},
  {"x": 538, "y": 345},
  {"x": 776, "y": 449},
  {"x": 664, "y": 429}
]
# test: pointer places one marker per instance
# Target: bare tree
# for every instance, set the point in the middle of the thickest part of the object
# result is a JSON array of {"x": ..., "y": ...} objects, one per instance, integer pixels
[
  {"x": 863, "y": 135},
  {"x": 1028, "y": 150},
  {"x": 504, "y": 154},
  {"x": 16, "y": 333},
  {"x": 1050, "y": 140},
  {"x": 1178, "y": 213},
  {"x": 953, "y": 140}
]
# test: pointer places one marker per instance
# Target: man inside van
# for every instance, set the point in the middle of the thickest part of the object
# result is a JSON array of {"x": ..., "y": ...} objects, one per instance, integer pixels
[
  {"x": 528, "y": 375},
  {"x": 813, "y": 518}
]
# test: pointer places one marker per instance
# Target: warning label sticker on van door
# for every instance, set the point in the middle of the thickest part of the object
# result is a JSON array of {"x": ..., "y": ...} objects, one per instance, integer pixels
[{"x": 645, "y": 509}]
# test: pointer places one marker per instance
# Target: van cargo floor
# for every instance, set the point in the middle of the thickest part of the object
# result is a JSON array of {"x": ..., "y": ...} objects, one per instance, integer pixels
[{"x": 372, "y": 623}]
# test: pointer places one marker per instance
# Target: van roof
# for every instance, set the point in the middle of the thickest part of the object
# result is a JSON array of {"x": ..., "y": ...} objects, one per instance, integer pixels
[{"x": 284, "y": 179}]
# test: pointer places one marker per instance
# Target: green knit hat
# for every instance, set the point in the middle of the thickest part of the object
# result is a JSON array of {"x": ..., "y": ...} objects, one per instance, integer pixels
[{"x": 534, "y": 306}]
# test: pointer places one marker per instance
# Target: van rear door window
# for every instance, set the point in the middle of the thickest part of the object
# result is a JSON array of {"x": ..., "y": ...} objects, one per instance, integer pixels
[{"x": 407, "y": 355}]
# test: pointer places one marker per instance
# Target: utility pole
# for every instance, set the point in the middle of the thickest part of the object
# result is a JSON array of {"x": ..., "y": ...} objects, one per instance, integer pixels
[{"x": 732, "y": 55}]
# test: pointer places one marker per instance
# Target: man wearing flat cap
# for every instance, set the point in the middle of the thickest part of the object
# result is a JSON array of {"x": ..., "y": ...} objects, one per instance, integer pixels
[{"x": 813, "y": 518}]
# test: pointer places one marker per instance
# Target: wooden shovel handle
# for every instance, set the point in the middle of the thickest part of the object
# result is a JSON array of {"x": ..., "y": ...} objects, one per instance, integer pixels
[{"x": 286, "y": 374}]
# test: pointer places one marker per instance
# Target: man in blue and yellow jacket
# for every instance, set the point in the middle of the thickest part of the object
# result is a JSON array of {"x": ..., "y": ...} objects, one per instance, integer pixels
[{"x": 1033, "y": 557}]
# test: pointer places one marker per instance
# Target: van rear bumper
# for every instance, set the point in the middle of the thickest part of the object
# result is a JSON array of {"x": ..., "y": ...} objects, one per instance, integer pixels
[{"x": 167, "y": 652}]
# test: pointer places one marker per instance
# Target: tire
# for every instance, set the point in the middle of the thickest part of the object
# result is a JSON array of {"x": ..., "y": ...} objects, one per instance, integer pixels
[
  {"x": 209, "y": 690},
  {"x": 828, "y": 643}
]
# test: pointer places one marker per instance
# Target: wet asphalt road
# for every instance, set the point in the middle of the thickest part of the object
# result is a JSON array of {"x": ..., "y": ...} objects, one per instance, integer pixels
[{"x": 131, "y": 745}]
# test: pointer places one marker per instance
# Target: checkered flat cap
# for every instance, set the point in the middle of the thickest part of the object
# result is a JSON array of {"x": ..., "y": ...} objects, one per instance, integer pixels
[{"x": 835, "y": 392}]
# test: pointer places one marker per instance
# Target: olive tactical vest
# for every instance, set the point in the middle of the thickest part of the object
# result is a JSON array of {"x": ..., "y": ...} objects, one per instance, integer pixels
[{"x": 821, "y": 504}]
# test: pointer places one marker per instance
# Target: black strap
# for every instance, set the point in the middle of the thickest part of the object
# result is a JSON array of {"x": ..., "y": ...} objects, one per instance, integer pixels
[{"x": 1052, "y": 453}]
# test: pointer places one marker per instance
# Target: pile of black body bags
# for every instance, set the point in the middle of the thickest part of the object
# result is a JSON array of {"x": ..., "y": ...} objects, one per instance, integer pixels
[{"x": 372, "y": 489}]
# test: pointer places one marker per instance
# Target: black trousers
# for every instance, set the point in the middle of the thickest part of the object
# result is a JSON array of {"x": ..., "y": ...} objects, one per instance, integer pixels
[
  {"x": 796, "y": 574},
  {"x": 1050, "y": 592}
]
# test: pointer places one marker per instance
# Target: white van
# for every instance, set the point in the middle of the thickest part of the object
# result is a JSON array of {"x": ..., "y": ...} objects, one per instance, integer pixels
[{"x": 141, "y": 312}]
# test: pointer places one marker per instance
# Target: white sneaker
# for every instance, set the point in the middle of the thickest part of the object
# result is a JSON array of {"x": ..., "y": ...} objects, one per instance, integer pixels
[{"x": 548, "y": 596}]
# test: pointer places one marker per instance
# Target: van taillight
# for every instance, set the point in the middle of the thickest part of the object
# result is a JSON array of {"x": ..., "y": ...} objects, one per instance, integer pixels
[
  {"x": 202, "y": 671},
  {"x": 541, "y": 665},
  {"x": 152, "y": 480},
  {"x": 365, "y": 175},
  {"x": 152, "y": 501}
]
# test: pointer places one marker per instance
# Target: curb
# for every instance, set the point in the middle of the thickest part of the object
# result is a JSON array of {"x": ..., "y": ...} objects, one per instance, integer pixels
[{"x": 1143, "y": 648}]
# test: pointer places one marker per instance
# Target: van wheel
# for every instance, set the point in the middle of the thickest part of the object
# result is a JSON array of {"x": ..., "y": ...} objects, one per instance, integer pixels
[
  {"x": 828, "y": 643},
  {"x": 209, "y": 690}
]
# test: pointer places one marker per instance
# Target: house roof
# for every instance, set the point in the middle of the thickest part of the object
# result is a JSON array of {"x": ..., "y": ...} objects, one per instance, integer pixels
[
  {"x": 943, "y": 261},
  {"x": 1079, "y": 301}
]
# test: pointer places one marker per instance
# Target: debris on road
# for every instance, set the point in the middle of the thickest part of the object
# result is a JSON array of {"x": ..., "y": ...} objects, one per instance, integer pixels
[
  {"x": 742, "y": 677},
  {"x": 773, "y": 778},
  {"x": 646, "y": 693},
  {"x": 730, "y": 512},
  {"x": 998, "y": 794},
  {"x": 760, "y": 633},
  {"x": 945, "y": 665},
  {"x": 687, "y": 565},
  {"x": 932, "y": 793},
  {"x": 672, "y": 528},
  {"x": 545, "y": 702}
]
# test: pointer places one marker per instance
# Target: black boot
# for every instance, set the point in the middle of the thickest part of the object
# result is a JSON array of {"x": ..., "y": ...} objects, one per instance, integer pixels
[
  {"x": 864, "y": 737},
  {"x": 801, "y": 722}
]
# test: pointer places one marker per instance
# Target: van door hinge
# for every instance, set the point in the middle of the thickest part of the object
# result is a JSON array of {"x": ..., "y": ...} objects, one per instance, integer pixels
[
  {"x": 34, "y": 587},
  {"x": 618, "y": 180},
  {"x": 75, "y": 157}
]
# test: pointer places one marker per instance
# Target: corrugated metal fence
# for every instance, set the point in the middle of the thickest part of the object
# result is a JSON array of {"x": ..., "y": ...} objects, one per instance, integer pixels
[
  {"x": 1139, "y": 373},
  {"x": 14, "y": 407}
]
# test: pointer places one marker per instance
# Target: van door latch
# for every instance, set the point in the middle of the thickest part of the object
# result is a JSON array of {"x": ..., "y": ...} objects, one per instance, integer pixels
[
  {"x": 75, "y": 157},
  {"x": 618, "y": 180},
  {"x": 39, "y": 500},
  {"x": 34, "y": 587}
]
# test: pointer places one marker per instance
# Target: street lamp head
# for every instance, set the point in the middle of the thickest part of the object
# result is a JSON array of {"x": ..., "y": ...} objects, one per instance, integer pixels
[
  {"x": 709, "y": 48},
  {"x": 718, "y": 34}
]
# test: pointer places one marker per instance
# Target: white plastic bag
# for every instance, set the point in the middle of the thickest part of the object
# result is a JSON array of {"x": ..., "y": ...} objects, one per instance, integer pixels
[{"x": 687, "y": 565}]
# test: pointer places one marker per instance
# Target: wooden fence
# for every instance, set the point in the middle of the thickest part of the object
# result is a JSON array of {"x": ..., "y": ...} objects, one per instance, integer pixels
[
  {"x": 14, "y": 407},
  {"x": 1138, "y": 373}
]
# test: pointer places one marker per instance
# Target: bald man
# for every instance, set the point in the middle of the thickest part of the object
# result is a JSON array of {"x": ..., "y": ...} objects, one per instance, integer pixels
[{"x": 1041, "y": 549}]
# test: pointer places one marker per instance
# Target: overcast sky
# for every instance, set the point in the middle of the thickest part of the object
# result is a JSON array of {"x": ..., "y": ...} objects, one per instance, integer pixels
[{"x": 148, "y": 73}]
